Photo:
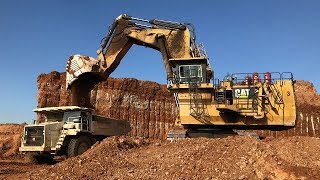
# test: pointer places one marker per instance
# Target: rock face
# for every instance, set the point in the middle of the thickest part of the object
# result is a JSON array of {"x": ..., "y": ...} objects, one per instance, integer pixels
[
  {"x": 151, "y": 109},
  {"x": 52, "y": 90},
  {"x": 148, "y": 106}
]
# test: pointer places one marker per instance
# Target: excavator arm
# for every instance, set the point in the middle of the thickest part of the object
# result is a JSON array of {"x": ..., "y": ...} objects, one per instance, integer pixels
[
  {"x": 174, "y": 41},
  {"x": 171, "y": 39}
]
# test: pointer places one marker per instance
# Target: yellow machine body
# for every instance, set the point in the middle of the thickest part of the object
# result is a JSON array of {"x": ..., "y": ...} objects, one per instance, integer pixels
[{"x": 256, "y": 99}]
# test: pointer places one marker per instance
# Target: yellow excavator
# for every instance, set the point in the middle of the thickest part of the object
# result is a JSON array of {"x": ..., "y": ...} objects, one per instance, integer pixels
[{"x": 238, "y": 101}]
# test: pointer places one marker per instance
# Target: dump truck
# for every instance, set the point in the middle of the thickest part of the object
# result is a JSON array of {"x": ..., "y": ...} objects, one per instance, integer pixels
[
  {"x": 264, "y": 100},
  {"x": 67, "y": 131}
]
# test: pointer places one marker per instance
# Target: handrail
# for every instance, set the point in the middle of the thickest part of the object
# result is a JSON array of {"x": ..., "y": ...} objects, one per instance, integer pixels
[
  {"x": 284, "y": 77},
  {"x": 274, "y": 76}
]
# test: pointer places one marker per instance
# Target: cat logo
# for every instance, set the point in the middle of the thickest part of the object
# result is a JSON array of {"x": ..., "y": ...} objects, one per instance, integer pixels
[{"x": 241, "y": 93}]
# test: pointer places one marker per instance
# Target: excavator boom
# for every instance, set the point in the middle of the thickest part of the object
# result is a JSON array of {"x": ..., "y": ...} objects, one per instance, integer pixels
[{"x": 172, "y": 39}]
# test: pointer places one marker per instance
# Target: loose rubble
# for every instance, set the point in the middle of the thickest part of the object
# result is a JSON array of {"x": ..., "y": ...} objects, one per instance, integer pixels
[{"x": 237, "y": 157}]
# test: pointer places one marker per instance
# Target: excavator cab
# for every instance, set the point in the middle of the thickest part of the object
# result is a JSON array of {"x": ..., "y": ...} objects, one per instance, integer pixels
[{"x": 190, "y": 70}]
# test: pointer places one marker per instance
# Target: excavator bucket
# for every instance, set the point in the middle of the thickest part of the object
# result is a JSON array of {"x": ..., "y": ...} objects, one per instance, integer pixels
[
  {"x": 83, "y": 73},
  {"x": 78, "y": 66}
]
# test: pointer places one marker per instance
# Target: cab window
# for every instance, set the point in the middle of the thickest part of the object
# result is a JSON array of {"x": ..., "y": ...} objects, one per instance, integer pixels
[
  {"x": 72, "y": 116},
  {"x": 186, "y": 72},
  {"x": 52, "y": 117}
]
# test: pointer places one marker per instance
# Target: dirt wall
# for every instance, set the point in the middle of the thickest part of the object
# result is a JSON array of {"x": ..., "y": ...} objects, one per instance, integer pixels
[{"x": 148, "y": 106}]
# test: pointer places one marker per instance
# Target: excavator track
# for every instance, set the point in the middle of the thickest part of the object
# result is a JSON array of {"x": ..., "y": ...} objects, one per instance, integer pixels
[{"x": 307, "y": 124}]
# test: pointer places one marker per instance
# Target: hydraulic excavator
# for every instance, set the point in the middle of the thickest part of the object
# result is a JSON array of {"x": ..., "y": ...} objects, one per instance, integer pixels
[{"x": 238, "y": 101}]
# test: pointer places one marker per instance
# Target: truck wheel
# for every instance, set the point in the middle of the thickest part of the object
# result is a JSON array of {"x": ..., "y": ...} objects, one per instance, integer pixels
[{"x": 78, "y": 146}]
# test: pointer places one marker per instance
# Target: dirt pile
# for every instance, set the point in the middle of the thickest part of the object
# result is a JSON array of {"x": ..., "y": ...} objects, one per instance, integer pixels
[
  {"x": 307, "y": 97},
  {"x": 227, "y": 158},
  {"x": 306, "y": 93},
  {"x": 10, "y": 135}
]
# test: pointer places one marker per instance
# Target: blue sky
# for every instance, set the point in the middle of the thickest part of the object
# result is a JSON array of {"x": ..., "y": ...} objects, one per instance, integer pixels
[{"x": 239, "y": 36}]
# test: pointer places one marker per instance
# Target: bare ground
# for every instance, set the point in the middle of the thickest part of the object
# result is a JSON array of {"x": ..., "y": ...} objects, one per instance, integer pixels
[{"x": 237, "y": 157}]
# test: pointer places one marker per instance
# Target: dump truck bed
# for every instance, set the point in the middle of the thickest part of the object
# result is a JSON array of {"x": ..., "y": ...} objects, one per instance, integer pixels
[{"x": 108, "y": 126}]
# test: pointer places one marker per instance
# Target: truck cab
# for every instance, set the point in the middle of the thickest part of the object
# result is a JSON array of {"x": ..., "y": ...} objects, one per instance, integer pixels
[{"x": 68, "y": 130}]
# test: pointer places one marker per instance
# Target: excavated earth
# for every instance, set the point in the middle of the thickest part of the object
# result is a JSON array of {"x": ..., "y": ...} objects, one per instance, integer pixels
[
  {"x": 236, "y": 157},
  {"x": 10, "y": 135},
  {"x": 143, "y": 154}
]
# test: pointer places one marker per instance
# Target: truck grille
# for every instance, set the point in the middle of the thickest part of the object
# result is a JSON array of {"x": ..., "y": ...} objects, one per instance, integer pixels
[{"x": 34, "y": 136}]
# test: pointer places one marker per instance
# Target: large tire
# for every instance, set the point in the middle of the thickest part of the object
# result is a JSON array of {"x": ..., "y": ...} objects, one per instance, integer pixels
[{"x": 78, "y": 146}]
